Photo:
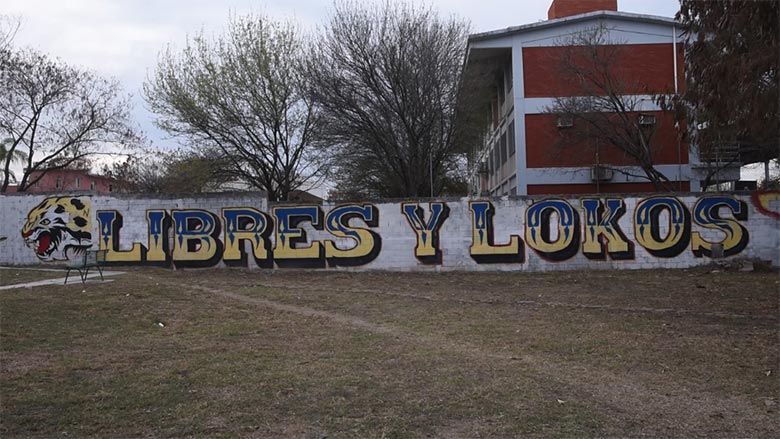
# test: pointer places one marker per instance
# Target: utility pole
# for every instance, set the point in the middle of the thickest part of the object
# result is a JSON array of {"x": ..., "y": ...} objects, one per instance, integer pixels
[
  {"x": 430, "y": 161},
  {"x": 766, "y": 173}
]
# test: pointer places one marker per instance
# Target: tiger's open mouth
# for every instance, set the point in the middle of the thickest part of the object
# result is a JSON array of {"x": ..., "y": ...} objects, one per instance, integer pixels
[{"x": 44, "y": 244}]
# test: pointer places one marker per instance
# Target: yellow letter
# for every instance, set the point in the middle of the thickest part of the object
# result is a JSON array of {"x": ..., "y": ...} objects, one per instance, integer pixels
[
  {"x": 246, "y": 224},
  {"x": 195, "y": 242},
  {"x": 110, "y": 223},
  {"x": 367, "y": 243},
  {"x": 482, "y": 249},
  {"x": 427, "y": 249},
  {"x": 288, "y": 235}
]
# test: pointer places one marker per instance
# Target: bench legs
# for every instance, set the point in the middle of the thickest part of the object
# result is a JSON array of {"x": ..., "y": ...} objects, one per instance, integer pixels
[
  {"x": 83, "y": 275},
  {"x": 100, "y": 270},
  {"x": 89, "y": 259}
]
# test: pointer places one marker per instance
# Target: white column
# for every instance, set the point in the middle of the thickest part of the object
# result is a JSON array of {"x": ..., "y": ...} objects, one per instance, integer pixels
[{"x": 518, "y": 88}]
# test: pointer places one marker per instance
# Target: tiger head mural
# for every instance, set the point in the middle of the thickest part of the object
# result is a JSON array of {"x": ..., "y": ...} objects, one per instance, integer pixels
[{"x": 57, "y": 225}]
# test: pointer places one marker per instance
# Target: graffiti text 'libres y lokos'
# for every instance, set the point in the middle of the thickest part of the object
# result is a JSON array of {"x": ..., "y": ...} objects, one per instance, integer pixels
[{"x": 554, "y": 229}]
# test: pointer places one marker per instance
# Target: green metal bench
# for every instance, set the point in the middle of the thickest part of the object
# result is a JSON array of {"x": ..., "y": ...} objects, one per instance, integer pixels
[{"x": 90, "y": 259}]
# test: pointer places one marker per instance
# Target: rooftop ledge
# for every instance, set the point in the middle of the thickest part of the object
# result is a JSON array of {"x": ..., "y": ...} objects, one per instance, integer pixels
[{"x": 626, "y": 16}]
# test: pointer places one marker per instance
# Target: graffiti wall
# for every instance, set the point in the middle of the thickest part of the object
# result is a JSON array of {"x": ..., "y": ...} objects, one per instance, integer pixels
[{"x": 655, "y": 231}]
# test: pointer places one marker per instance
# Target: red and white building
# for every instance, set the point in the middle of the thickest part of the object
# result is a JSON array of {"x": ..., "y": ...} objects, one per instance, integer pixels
[
  {"x": 69, "y": 180},
  {"x": 518, "y": 156}
]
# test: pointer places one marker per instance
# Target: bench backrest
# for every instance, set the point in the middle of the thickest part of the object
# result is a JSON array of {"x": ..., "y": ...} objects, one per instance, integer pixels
[{"x": 93, "y": 257}]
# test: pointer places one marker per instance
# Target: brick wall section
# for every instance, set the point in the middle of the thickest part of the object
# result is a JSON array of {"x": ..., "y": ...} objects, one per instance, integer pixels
[
  {"x": 642, "y": 69},
  {"x": 565, "y": 8},
  {"x": 548, "y": 146},
  {"x": 603, "y": 188},
  {"x": 398, "y": 239}
]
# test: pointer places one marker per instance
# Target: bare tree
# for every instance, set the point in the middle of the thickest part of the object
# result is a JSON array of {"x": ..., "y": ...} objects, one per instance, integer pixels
[
  {"x": 606, "y": 113},
  {"x": 241, "y": 95},
  {"x": 8, "y": 28},
  {"x": 57, "y": 115},
  {"x": 387, "y": 81}
]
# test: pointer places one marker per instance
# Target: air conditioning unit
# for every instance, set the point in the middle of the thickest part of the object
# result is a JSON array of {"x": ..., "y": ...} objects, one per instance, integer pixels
[
  {"x": 646, "y": 119},
  {"x": 601, "y": 173},
  {"x": 565, "y": 121}
]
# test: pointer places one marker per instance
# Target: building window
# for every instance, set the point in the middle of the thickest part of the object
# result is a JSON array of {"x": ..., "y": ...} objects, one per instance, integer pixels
[
  {"x": 501, "y": 90},
  {"x": 110, "y": 187},
  {"x": 565, "y": 121},
  {"x": 497, "y": 158},
  {"x": 508, "y": 76},
  {"x": 511, "y": 139},
  {"x": 503, "y": 148},
  {"x": 78, "y": 182},
  {"x": 494, "y": 112},
  {"x": 92, "y": 185},
  {"x": 58, "y": 183}
]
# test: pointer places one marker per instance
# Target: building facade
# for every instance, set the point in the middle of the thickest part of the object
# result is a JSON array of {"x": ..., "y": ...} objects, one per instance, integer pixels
[
  {"x": 69, "y": 180},
  {"x": 517, "y": 73}
]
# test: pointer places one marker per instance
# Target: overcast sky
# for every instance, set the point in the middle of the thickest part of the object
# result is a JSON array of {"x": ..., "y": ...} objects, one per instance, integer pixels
[{"x": 121, "y": 38}]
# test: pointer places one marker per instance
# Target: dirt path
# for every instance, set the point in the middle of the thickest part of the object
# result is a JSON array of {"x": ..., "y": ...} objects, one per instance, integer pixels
[
  {"x": 674, "y": 311},
  {"x": 638, "y": 406},
  {"x": 75, "y": 280}
]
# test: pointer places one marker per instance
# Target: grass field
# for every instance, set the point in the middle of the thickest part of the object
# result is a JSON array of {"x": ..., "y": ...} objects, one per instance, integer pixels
[
  {"x": 12, "y": 276},
  {"x": 292, "y": 354}
]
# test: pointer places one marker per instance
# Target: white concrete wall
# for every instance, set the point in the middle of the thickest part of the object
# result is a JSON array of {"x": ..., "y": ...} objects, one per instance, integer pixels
[{"x": 398, "y": 239}]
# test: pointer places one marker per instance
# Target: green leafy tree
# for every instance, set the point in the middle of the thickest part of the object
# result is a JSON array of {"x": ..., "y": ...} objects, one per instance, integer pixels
[
  {"x": 136, "y": 173},
  {"x": 174, "y": 172},
  {"x": 193, "y": 172},
  {"x": 733, "y": 71}
]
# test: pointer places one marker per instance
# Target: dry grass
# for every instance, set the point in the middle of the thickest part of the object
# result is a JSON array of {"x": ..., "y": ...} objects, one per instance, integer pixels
[
  {"x": 312, "y": 354},
  {"x": 13, "y": 276}
]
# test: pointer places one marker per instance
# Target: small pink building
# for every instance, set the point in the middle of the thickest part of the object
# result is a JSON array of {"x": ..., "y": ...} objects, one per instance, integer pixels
[{"x": 70, "y": 180}]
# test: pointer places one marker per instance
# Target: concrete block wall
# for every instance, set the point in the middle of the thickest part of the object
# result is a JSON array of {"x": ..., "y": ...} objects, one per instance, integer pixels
[{"x": 508, "y": 233}]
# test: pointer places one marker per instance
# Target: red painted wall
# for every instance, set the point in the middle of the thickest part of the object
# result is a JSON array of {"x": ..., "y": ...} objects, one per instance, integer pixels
[
  {"x": 48, "y": 183},
  {"x": 606, "y": 188},
  {"x": 546, "y": 146},
  {"x": 642, "y": 69}
]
